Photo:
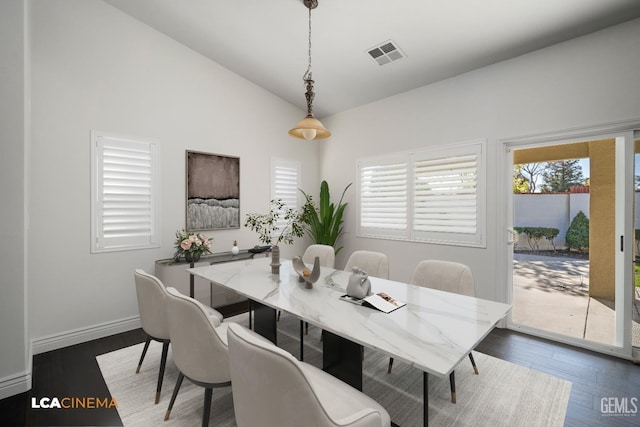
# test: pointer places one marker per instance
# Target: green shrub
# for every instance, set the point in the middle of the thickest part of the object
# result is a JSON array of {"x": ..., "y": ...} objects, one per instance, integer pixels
[
  {"x": 535, "y": 234},
  {"x": 578, "y": 233}
]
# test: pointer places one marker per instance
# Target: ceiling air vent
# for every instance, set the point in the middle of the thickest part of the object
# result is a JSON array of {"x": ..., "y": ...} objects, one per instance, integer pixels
[{"x": 386, "y": 52}]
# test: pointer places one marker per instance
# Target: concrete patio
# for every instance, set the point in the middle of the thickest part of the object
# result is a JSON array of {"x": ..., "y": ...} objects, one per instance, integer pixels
[{"x": 552, "y": 293}]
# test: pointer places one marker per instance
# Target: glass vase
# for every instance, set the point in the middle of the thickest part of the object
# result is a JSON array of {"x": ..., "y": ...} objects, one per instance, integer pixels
[{"x": 192, "y": 256}]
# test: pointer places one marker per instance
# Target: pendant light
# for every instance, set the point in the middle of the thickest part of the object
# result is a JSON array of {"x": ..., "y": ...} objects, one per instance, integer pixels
[{"x": 309, "y": 128}]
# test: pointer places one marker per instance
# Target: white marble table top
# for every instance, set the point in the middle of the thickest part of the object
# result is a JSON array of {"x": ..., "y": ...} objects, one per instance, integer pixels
[{"x": 433, "y": 332}]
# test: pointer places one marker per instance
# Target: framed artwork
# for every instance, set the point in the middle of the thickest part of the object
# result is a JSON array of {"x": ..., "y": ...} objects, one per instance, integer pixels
[{"x": 213, "y": 191}]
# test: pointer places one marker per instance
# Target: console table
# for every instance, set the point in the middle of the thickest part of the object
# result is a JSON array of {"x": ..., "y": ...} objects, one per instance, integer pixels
[{"x": 174, "y": 273}]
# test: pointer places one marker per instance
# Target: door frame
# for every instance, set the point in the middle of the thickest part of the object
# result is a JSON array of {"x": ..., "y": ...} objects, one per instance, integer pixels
[{"x": 504, "y": 261}]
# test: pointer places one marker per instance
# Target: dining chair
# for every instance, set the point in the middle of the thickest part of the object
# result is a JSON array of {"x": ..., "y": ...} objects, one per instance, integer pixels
[
  {"x": 151, "y": 295},
  {"x": 199, "y": 348},
  {"x": 327, "y": 257},
  {"x": 450, "y": 277},
  {"x": 376, "y": 264},
  {"x": 271, "y": 388},
  {"x": 326, "y": 254}
]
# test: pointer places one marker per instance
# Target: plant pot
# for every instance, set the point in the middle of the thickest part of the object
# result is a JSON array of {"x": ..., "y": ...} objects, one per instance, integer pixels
[
  {"x": 192, "y": 256},
  {"x": 275, "y": 260}
]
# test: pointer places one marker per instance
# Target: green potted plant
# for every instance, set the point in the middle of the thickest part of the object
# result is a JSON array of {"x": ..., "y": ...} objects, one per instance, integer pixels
[
  {"x": 190, "y": 246},
  {"x": 281, "y": 224},
  {"x": 323, "y": 223}
]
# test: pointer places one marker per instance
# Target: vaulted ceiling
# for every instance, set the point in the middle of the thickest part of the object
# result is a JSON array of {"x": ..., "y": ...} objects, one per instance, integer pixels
[{"x": 265, "y": 41}]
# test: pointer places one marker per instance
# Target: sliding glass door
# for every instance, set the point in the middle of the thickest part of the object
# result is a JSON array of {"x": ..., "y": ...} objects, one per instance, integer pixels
[{"x": 570, "y": 239}]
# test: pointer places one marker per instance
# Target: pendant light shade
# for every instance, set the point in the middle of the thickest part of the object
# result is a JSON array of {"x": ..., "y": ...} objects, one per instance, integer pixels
[{"x": 309, "y": 128}]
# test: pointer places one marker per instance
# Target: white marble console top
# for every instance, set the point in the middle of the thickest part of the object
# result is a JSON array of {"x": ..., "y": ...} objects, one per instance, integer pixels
[{"x": 433, "y": 332}]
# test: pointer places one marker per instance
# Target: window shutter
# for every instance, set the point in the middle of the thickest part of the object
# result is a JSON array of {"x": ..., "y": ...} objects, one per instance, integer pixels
[
  {"x": 445, "y": 194},
  {"x": 383, "y": 199},
  {"x": 125, "y": 200},
  {"x": 285, "y": 178},
  {"x": 436, "y": 195}
]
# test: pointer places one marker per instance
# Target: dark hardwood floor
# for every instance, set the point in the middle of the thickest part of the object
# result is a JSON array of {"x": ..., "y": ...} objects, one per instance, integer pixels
[{"x": 74, "y": 372}]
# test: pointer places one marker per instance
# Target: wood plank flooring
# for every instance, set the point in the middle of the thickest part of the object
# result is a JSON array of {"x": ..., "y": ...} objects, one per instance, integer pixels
[{"x": 74, "y": 372}]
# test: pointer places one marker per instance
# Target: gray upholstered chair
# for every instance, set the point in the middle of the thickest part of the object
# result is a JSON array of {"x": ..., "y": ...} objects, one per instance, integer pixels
[
  {"x": 376, "y": 264},
  {"x": 450, "y": 277},
  {"x": 199, "y": 347},
  {"x": 273, "y": 389}
]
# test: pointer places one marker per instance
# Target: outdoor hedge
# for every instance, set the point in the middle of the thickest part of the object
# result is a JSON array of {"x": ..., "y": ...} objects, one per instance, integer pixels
[{"x": 535, "y": 234}]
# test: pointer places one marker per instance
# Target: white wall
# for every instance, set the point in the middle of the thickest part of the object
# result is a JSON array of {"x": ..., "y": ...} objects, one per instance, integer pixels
[
  {"x": 97, "y": 68},
  {"x": 15, "y": 365},
  {"x": 583, "y": 82}
]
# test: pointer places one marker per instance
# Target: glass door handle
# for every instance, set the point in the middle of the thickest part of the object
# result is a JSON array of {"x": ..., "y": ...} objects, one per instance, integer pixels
[{"x": 512, "y": 236}]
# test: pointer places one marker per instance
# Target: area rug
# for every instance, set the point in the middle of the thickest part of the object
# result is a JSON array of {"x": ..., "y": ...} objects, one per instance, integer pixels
[{"x": 503, "y": 394}]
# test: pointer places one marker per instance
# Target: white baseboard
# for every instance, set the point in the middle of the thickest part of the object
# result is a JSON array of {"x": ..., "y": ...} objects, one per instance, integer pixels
[
  {"x": 77, "y": 336},
  {"x": 15, "y": 384}
]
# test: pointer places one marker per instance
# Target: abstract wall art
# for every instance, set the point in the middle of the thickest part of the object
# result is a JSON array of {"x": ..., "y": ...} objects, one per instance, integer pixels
[{"x": 213, "y": 191}]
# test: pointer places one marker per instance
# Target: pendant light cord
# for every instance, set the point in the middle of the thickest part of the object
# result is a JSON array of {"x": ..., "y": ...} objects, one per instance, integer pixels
[{"x": 308, "y": 74}]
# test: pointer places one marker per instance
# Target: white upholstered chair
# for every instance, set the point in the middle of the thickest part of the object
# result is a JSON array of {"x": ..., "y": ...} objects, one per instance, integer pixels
[
  {"x": 327, "y": 257},
  {"x": 450, "y": 277},
  {"x": 151, "y": 295},
  {"x": 273, "y": 389},
  {"x": 199, "y": 347},
  {"x": 376, "y": 264},
  {"x": 326, "y": 254}
]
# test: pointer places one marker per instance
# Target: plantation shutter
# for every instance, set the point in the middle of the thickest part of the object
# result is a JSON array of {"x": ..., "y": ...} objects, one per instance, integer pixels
[
  {"x": 436, "y": 195},
  {"x": 285, "y": 177},
  {"x": 383, "y": 199},
  {"x": 446, "y": 195},
  {"x": 125, "y": 193}
]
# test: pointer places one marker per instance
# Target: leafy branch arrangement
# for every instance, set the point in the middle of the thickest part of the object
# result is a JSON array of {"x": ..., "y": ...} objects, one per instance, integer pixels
[{"x": 268, "y": 225}]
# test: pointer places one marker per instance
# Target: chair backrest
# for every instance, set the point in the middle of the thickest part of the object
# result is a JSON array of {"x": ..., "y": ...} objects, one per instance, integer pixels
[
  {"x": 326, "y": 254},
  {"x": 272, "y": 389},
  {"x": 199, "y": 350},
  {"x": 152, "y": 296},
  {"x": 376, "y": 264},
  {"x": 445, "y": 276}
]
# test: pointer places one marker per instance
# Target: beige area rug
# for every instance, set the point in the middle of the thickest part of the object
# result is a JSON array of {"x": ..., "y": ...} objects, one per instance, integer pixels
[{"x": 503, "y": 394}]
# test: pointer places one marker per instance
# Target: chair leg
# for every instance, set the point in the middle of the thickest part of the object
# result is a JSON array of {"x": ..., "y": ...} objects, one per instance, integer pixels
[
  {"x": 176, "y": 389},
  {"x": 163, "y": 363},
  {"x": 144, "y": 353},
  {"x": 473, "y": 363},
  {"x": 208, "y": 393},
  {"x": 390, "y": 365},
  {"x": 452, "y": 382}
]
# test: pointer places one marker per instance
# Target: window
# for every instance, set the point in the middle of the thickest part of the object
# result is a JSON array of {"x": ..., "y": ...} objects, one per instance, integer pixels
[
  {"x": 285, "y": 181},
  {"x": 383, "y": 198},
  {"x": 434, "y": 196},
  {"x": 124, "y": 193}
]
